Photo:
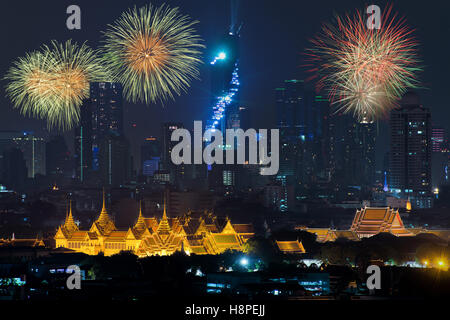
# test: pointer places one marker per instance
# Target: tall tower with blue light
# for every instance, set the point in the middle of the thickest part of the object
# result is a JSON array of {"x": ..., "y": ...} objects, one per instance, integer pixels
[
  {"x": 225, "y": 109},
  {"x": 225, "y": 77}
]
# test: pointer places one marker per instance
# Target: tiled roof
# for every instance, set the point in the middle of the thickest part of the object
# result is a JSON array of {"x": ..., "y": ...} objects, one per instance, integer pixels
[{"x": 290, "y": 246}]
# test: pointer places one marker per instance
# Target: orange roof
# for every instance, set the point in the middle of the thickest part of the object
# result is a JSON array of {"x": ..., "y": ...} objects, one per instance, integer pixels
[
  {"x": 243, "y": 228},
  {"x": 290, "y": 246},
  {"x": 370, "y": 221}
]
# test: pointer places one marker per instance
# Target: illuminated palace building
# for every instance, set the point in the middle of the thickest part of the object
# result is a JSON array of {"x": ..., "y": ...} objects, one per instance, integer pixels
[{"x": 150, "y": 236}]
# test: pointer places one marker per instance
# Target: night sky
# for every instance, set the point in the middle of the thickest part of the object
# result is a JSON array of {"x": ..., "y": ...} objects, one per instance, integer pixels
[{"x": 274, "y": 34}]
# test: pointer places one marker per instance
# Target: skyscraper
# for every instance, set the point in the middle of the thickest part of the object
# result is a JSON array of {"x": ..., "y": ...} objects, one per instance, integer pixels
[
  {"x": 101, "y": 116},
  {"x": 14, "y": 170},
  {"x": 58, "y": 157},
  {"x": 167, "y": 145},
  {"x": 304, "y": 137},
  {"x": 7, "y": 142},
  {"x": 355, "y": 152},
  {"x": 107, "y": 114},
  {"x": 33, "y": 149},
  {"x": 437, "y": 139},
  {"x": 439, "y": 158},
  {"x": 226, "y": 112},
  {"x": 83, "y": 143},
  {"x": 410, "y": 151},
  {"x": 150, "y": 156},
  {"x": 114, "y": 160}
]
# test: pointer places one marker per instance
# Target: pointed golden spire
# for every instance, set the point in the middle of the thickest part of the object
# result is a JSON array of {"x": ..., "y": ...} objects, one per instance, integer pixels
[
  {"x": 70, "y": 223},
  {"x": 104, "y": 202},
  {"x": 164, "y": 226},
  {"x": 104, "y": 220},
  {"x": 140, "y": 223},
  {"x": 164, "y": 213}
]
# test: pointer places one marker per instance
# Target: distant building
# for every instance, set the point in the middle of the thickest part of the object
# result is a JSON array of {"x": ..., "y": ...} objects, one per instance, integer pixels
[
  {"x": 305, "y": 140},
  {"x": 290, "y": 247},
  {"x": 410, "y": 151},
  {"x": 33, "y": 149},
  {"x": 114, "y": 160},
  {"x": 176, "y": 171},
  {"x": 276, "y": 197},
  {"x": 58, "y": 158},
  {"x": 150, "y": 156},
  {"x": 14, "y": 169},
  {"x": 437, "y": 139},
  {"x": 101, "y": 116}
]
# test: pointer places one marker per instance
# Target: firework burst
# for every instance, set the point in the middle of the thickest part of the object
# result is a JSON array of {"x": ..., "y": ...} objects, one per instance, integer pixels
[
  {"x": 153, "y": 52},
  {"x": 365, "y": 71},
  {"x": 51, "y": 84}
]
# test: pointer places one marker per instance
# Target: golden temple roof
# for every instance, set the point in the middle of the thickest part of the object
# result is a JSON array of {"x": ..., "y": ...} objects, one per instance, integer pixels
[
  {"x": 290, "y": 246},
  {"x": 370, "y": 221},
  {"x": 164, "y": 226},
  {"x": 70, "y": 224}
]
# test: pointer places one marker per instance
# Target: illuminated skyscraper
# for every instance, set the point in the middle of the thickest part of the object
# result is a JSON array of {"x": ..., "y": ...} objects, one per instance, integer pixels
[
  {"x": 225, "y": 113},
  {"x": 166, "y": 164},
  {"x": 437, "y": 139},
  {"x": 410, "y": 151},
  {"x": 101, "y": 116}
]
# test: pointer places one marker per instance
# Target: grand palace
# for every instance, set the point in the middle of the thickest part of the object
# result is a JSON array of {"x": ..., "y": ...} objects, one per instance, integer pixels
[{"x": 150, "y": 236}]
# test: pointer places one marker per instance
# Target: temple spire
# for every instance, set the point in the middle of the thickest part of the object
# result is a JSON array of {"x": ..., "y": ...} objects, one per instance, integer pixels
[
  {"x": 164, "y": 212},
  {"x": 140, "y": 224},
  {"x": 104, "y": 202},
  {"x": 164, "y": 226},
  {"x": 70, "y": 223},
  {"x": 104, "y": 220}
]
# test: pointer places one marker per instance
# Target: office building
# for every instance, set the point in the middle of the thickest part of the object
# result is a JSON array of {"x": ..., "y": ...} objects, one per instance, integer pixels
[{"x": 410, "y": 151}]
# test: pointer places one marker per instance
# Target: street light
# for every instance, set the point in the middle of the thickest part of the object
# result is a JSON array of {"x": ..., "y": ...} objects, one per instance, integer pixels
[{"x": 244, "y": 262}]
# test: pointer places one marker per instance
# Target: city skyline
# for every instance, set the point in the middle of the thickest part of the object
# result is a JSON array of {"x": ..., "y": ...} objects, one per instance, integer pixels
[
  {"x": 194, "y": 105},
  {"x": 305, "y": 159}
]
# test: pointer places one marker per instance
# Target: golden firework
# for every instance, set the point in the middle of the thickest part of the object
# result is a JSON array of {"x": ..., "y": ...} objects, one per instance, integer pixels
[
  {"x": 52, "y": 83},
  {"x": 153, "y": 52}
]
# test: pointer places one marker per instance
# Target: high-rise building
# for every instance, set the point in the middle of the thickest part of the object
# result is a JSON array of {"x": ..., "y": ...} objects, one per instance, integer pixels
[
  {"x": 358, "y": 154},
  {"x": 176, "y": 171},
  {"x": 437, "y": 139},
  {"x": 150, "y": 156},
  {"x": 225, "y": 83},
  {"x": 439, "y": 158},
  {"x": 101, "y": 116},
  {"x": 107, "y": 114},
  {"x": 14, "y": 170},
  {"x": 58, "y": 159},
  {"x": 410, "y": 151},
  {"x": 33, "y": 149},
  {"x": 83, "y": 143},
  {"x": 114, "y": 160},
  {"x": 7, "y": 142},
  {"x": 303, "y": 121}
]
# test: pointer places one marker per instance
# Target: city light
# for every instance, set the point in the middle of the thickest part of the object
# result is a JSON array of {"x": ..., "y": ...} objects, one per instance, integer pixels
[
  {"x": 226, "y": 99},
  {"x": 221, "y": 56}
]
